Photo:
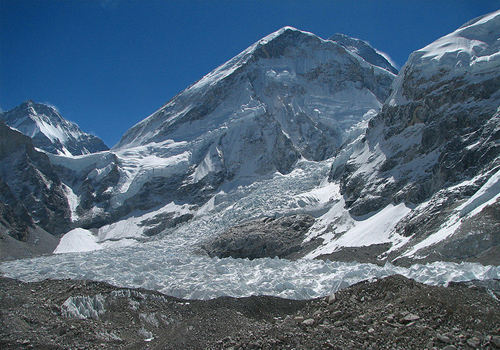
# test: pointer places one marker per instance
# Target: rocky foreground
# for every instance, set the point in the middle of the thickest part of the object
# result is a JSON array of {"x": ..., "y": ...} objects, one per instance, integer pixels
[{"x": 392, "y": 313}]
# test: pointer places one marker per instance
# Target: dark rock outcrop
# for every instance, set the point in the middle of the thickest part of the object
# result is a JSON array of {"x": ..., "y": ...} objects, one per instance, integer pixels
[
  {"x": 31, "y": 193},
  {"x": 266, "y": 237}
]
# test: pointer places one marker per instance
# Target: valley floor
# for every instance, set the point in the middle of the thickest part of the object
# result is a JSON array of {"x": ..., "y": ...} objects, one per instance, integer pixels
[{"x": 390, "y": 313}]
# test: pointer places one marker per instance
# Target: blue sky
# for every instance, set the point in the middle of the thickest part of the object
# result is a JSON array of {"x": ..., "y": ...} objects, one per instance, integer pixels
[{"x": 108, "y": 64}]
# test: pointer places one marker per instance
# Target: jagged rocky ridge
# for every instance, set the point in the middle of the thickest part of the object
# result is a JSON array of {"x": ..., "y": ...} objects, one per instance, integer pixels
[
  {"x": 363, "y": 49},
  {"x": 32, "y": 198},
  {"x": 31, "y": 190}
]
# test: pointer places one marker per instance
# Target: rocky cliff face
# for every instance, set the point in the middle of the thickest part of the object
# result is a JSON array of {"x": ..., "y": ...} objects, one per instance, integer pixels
[
  {"x": 51, "y": 132},
  {"x": 435, "y": 144},
  {"x": 31, "y": 193}
]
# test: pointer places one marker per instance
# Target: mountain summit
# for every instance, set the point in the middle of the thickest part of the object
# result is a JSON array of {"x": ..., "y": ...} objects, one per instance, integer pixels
[
  {"x": 291, "y": 96},
  {"x": 363, "y": 49},
  {"x": 50, "y": 131},
  {"x": 290, "y": 76}
]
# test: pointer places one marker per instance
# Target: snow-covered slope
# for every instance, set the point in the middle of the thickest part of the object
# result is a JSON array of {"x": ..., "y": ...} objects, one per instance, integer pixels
[
  {"x": 433, "y": 152},
  {"x": 292, "y": 79},
  {"x": 289, "y": 96},
  {"x": 50, "y": 131}
]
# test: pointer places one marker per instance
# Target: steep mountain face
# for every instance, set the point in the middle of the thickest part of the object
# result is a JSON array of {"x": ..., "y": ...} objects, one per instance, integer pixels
[
  {"x": 435, "y": 148},
  {"x": 289, "y": 96},
  {"x": 51, "y": 132},
  {"x": 302, "y": 84},
  {"x": 31, "y": 194}
]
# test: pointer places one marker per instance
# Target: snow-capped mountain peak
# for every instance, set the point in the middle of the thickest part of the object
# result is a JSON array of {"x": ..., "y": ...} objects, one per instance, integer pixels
[
  {"x": 470, "y": 54},
  {"x": 290, "y": 96},
  {"x": 288, "y": 59},
  {"x": 50, "y": 131}
]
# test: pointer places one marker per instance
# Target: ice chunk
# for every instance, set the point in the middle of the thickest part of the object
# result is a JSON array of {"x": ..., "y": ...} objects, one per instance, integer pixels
[{"x": 83, "y": 307}]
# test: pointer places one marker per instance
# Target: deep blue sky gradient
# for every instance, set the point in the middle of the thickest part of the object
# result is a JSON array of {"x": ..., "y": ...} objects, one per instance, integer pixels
[{"x": 108, "y": 64}]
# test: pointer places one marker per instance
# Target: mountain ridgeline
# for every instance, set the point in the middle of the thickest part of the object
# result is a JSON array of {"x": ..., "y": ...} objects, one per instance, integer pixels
[{"x": 406, "y": 165}]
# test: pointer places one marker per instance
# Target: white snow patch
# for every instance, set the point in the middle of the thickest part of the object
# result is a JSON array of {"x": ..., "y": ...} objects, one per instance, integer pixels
[
  {"x": 134, "y": 225},
  {"x": 352, "y": 232},
  {"x": 77, "y": 240},
  {"x": 318, "y": 197},
  {"x": 489, "y": 192},
  {"x": 471, "y": 40},
  {"x": 73, "y": 201},
  {"x": 203, "y": 169},
  {"x": 388, "y": 58}
]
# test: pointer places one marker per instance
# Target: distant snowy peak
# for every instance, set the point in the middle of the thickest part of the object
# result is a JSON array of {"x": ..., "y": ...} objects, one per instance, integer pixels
[
  {"x": 287, "y": 75},
  {"x": 365, "y": 50},
  {"x": 50, "y": 131}
]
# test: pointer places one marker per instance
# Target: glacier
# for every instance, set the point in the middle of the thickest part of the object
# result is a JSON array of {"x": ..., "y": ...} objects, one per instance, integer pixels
[{"x": 173, "y": 264}]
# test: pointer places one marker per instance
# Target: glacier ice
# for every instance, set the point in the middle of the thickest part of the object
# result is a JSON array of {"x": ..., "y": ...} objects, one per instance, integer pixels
[
  {"x": 156, "y": 266},
  {"x": 83, "y": 306}
]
